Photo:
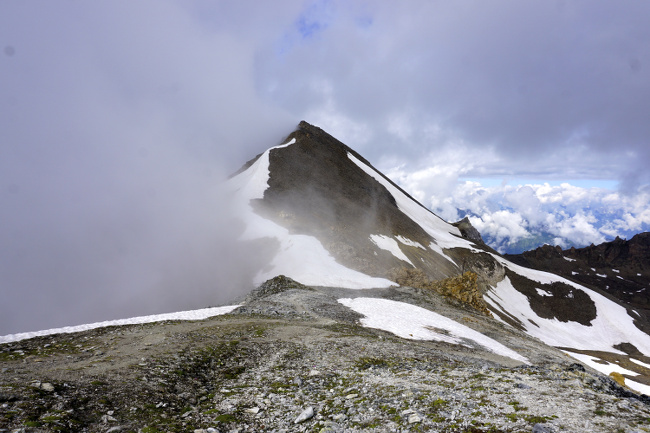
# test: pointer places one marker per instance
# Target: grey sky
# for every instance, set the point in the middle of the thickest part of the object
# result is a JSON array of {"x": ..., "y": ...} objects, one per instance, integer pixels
[{"x": 118, "y": 119}]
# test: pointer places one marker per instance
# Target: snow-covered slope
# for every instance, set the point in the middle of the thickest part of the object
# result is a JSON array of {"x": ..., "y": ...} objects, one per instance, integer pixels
[
  {"x": 200, "y": 314},
  {"x": 337, "y": 221},
  {"x": 416, "y": 323}
]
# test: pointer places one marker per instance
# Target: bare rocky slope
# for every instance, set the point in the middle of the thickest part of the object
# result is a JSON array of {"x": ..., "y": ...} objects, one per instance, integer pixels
[{"x": 291, "y": 358}]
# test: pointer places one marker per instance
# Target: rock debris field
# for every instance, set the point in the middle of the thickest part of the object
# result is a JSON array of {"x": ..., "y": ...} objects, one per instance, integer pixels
[{"x": 293, "y": 359}]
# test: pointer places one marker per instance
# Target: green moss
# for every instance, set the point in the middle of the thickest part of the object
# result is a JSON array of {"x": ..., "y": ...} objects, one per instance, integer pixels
[
  {"x": 365, "y": 363},
  {"x": 226, "y": 418}
]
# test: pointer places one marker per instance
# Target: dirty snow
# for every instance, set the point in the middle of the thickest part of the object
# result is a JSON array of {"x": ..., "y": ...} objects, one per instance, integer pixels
[
  {"x": 201, "y": 314},
  {"x": 416, "y": 323}
]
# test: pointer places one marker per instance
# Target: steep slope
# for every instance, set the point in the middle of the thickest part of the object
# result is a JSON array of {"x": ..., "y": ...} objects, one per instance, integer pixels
[
  {"x": 331, "y": 219},
  {"x": 621, "y": 268},
  {"x": 320, "y": 191}
]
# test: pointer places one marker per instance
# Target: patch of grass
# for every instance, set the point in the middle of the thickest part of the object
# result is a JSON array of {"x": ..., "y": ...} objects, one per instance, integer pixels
[
  {"x": 516, "y": 407},
  {"x": 365, "y": 363},
  {"x": 226, "y": 418}
]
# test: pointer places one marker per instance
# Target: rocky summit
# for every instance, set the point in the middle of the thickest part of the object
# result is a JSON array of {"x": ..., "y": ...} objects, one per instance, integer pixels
[{"x": 370, "y": 314}]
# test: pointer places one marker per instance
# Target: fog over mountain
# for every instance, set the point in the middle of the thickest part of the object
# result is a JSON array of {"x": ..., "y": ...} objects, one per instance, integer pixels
[{"x": 119, "y": 119}]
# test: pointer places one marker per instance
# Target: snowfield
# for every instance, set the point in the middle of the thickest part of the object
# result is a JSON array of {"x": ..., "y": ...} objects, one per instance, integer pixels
[
  {"x": 416, "y": 323},
  {"x": 201, "y": 314},
  {"x": 611, "y": 326},
  {"x": 390, "y": 245}
]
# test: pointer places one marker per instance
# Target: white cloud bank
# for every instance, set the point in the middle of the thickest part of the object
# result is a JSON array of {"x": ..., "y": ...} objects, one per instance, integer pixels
[{"x": 515, "y": 217}]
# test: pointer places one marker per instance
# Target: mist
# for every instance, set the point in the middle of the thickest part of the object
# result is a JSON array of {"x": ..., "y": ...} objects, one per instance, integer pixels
[{"x": 114, "y": 148}]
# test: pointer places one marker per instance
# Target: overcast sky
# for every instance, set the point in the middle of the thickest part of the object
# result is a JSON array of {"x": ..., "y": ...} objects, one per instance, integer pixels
[{"x": 118, "y": 119}]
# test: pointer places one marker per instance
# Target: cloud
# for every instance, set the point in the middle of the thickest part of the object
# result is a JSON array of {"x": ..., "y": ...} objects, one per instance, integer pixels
[
  {"x": 117, "y": 120},
  {"x": 118, "y": 123},
  {"x": 556, "y": 90},
  {"x": 513, "y": 218}
]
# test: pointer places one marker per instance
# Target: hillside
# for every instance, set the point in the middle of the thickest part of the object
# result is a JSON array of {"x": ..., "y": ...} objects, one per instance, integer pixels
[{"x": 291, "y": 350}]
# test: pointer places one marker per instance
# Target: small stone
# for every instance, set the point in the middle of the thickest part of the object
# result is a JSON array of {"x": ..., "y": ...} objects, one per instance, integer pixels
[
  {"x": 539, "y": 428},
  {"x": 305, "y": 415},
  {"x": 351, "y": 396},
  {"x": 107, "y": 418},
  {"x": 253, "y": 410},
  {"x": 413, "y": 418},
  {"x": 47, "y": 387},
  {"x": 314, "y": 373}
]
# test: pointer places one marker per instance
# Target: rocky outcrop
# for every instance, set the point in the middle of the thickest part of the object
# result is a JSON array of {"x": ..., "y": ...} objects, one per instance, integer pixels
[
  {"x": 462, "y": 288},
  {"x": 468, "y": 231}
]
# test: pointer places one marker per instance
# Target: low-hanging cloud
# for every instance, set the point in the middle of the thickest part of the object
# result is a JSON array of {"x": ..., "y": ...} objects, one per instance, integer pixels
[
  {"x": 113, "y": 147},
  {"x": 119, "y": 118}
]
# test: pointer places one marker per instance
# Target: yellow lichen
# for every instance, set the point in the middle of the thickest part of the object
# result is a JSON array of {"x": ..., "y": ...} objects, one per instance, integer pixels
[{"x": 463, "y": 288}]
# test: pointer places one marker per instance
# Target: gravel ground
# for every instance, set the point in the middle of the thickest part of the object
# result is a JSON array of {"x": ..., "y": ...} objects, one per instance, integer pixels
[{"x": 293, "y": 359}]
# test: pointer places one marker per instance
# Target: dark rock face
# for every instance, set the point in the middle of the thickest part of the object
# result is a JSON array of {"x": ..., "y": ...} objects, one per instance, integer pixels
[
  {"x": 469, "y": 232},
  {"x": 315, "y": 189},
  {"x": 619, "y": 270},
  {"x": 556, "y": 301}
]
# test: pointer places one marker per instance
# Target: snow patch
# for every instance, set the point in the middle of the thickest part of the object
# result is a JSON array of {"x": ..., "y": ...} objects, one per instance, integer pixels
[
  {"x": 642, "y": 364},
  {"x": 601, "y": 275},
  {"x": 543, "y": 292},
  {"x": 597, "y": 364},
  {"x": 416, "y": 323},
  {"x": 568, "y": 259},
  {"x": 616, "y": 270},
  {"x": 201, "y": 314},
  {"x": 407, "y": 241},
  {"x": 611, "y": 326},
  {"x": 390, "y": 245}
]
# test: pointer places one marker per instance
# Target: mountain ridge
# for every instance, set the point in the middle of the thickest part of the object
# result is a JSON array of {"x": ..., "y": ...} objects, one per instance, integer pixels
[{"x": 329, "y": 341}]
